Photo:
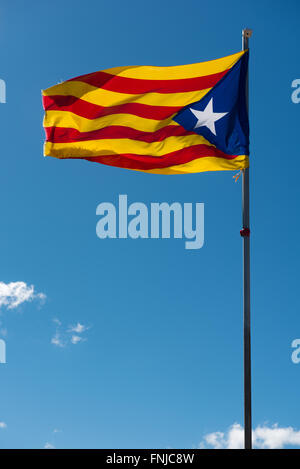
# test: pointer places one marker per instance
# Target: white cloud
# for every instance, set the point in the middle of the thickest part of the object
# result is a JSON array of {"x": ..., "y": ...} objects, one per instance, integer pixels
[
  {"x": 56, "y": 430},
  {"x": 79, "y": 328},
  {"x": 276, "y": 437},
  {"x": 3, "y": 425},
  {"x": 49, "y": 446},
  {"x": 263, "y": 436},
  {"x": 216, "y": 440},
  {"x": 63, "y": 337},
  {"x": 57, "y": 340},
  {"x": 15, "y": 293},
  {"x": 75, "y": 339}
]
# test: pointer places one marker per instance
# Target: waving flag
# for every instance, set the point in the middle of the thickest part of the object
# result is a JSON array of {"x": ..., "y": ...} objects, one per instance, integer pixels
[{"x": 167, "y": 120}]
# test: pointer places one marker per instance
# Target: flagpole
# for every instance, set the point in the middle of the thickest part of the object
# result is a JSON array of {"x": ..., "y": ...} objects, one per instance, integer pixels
[{"x": 245, "y": 233}]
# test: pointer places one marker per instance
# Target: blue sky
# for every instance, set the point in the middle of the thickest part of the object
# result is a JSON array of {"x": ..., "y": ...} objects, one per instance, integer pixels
[{"x": 161, "y": 360}]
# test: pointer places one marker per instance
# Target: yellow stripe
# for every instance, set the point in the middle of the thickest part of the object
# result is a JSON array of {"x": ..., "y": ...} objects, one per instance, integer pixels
[
  {"x": 70, "y": 120},
  {"x": 177, "y": 71},
  {"x": 209, "y": 163},
  {"x": 107, "y": 98},
  {"x": 90, "y": 148}
]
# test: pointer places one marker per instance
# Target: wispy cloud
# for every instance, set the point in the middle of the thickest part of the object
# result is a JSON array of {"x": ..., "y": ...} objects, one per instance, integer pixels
[
  {"x": 79, "y": 328},
  {"x": 71, "y": 335},
  {"x": 13, "y": 294},
  {"x": 49, "y": 446},
  {"x": 57, "y": 340},
  {"x": 263, "y": 436},
  {"x": 76, "y": 338},
  {"x": 3, "y": 425},
  {"x": 3, "y": 330}
]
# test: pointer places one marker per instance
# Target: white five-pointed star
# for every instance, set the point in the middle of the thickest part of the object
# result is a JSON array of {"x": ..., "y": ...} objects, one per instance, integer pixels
[{"x": 208, "y": 117}]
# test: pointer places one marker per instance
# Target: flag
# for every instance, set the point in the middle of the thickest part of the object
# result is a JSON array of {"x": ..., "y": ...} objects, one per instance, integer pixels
[{"x": 166, "y": 120}]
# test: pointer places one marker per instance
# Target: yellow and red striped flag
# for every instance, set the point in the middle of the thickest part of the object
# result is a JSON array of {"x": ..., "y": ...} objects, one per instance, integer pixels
[{"x": 167, "y": 120}]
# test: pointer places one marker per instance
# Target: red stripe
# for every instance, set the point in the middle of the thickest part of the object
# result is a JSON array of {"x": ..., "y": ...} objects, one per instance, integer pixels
[
  {"x": 67, "y": 135},
  {"x": 132, "y": 161},
  {"x": 140, "y": 86},
  {"x": 93, "y": 111}
]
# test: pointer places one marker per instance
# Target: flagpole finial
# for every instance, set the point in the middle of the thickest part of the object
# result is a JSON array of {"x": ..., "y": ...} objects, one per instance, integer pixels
[{"x": 247, "y": 32}]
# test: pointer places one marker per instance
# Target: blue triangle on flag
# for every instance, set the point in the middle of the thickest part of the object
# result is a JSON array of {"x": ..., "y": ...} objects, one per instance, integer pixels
[{"x": 228, "y": 130}]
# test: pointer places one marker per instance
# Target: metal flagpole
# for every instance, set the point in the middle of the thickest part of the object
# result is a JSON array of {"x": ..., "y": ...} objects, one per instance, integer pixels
[{"x": 245, "y": 232}]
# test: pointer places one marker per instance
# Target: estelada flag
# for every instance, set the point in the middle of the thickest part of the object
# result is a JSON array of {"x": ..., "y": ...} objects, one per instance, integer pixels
[{"x": 167, "y": 120}]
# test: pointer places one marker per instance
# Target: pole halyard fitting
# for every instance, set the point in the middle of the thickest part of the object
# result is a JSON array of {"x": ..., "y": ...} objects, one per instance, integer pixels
[{"x": 245, "y": 232}]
